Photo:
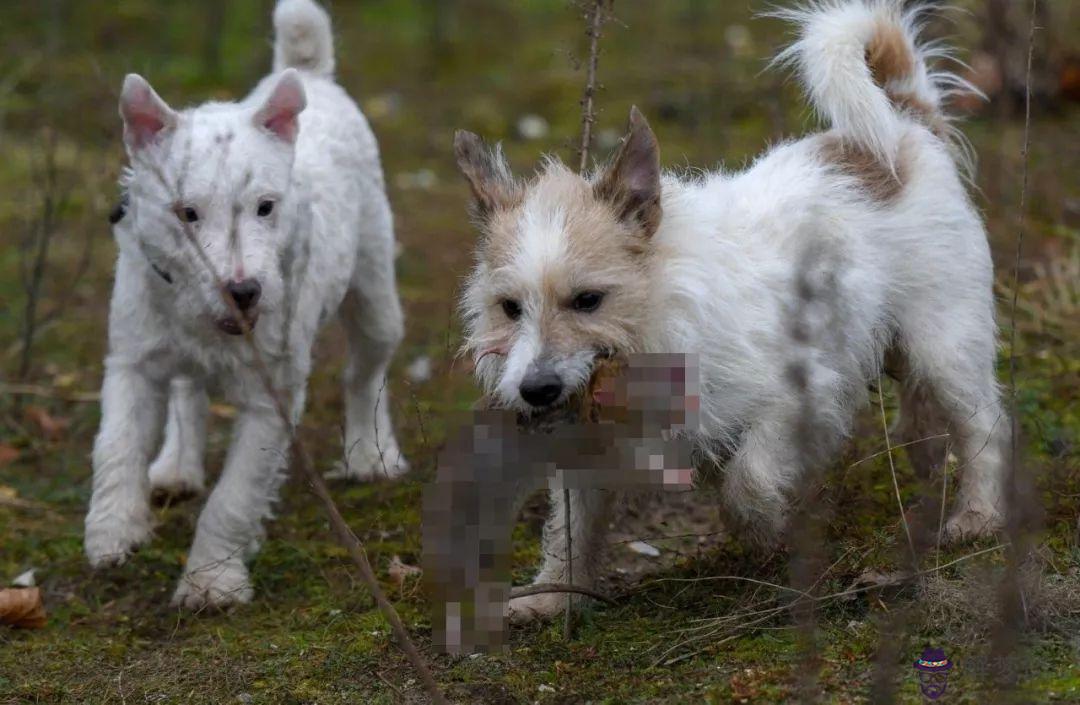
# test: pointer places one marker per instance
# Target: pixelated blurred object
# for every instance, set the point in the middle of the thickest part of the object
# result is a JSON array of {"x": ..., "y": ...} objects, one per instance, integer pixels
[
  {"x": 628, "y": 428},
  {"x": 22, "y": 608}
]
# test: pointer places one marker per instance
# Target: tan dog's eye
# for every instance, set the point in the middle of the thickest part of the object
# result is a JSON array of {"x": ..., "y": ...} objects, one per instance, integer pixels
[
  {"x": 512, "y": 309},
  {"x": 587, "y": 301}
]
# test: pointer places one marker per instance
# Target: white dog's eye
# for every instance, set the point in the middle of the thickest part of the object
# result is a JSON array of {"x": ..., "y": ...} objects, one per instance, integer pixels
[
  {"x": 587, "y": 301},
  {"x": 511, "y": 308},
  {"x": 186, "y": 214},
  {"x": 266, "y": 207}
]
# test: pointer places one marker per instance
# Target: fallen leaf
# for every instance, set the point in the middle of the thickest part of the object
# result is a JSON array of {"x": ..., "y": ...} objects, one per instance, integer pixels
[
  {"x": 8, "y": 454},
  {"x": 52, "y": 427},
  {"x": 22, "y": 608},
  {"x": 400, "y": 571}
]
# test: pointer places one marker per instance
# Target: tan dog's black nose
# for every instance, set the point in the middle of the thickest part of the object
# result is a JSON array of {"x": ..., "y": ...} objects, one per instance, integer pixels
[
  {"x": 245, "y": 293},
  {"x": 541, "y": 388}
]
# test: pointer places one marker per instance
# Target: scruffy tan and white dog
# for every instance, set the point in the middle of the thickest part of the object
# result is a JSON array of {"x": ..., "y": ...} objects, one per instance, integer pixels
[
  {"x": 283, "y": 193},
  {"x": 794, "y": 280}
]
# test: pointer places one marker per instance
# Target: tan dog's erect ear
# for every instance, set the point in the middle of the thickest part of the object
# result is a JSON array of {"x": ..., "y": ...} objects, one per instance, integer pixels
[
  {"x": 631, "y": 182},
  {"x": 487, "y": 172}
]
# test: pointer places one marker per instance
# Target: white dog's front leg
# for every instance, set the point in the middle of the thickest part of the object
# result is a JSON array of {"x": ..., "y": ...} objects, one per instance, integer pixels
[
  {"x": 119, "y": 519},
  {"x": 178, "y": 469},
  {"x": 589, "y": 511},
  {"x": 230, "y": 526}
]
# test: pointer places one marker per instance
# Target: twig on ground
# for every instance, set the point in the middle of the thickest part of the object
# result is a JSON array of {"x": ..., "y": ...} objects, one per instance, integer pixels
[
  {"x": 892, "y": 472},
  {"x": 35, "y": 390},
  {"x": 543, "y": 588}
]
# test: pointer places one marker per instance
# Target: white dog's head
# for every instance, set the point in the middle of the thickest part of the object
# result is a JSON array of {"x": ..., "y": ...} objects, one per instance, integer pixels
[
  {"x": 214, "y": 179},
  {"x": 562, "y": 269}
]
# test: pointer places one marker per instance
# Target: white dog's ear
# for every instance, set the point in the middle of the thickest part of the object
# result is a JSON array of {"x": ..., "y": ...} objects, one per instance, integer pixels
[
  {"x": 144, "y": 113},
  {"x": 493, "y": 186},
  {"x": 631, "y": 182},
  {"x": 280, "y": 114}
]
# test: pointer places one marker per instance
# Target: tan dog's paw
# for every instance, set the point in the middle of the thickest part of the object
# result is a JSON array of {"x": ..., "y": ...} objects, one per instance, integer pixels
[
  {"x": 537, "y": 607},
  {"x": 973, "y": 523}
]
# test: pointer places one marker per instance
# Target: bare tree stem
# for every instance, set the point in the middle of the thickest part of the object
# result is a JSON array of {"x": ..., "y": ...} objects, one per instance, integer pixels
[
  {"x": 300, "y": 459},
  {"x": 596, "y": 18}
]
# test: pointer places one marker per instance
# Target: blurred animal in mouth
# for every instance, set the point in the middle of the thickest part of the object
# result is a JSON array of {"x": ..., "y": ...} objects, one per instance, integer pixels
[
  {"x": 624, "y": 432},
  {"x": 241, "y": 229}
]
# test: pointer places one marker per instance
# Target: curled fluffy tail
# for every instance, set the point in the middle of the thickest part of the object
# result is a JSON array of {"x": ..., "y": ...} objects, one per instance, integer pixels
[
  {"x": 302, "y": 37},
  {"x": 865, "y": 70}
]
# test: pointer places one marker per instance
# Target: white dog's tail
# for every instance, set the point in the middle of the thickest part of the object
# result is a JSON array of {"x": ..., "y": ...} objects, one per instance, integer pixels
[
  {"x": 866, "y": 72},
  {"x": 302, "y": 37}
]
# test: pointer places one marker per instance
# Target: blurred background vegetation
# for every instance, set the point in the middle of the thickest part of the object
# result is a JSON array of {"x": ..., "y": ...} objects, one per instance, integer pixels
[{"x": 512, "y": 72}]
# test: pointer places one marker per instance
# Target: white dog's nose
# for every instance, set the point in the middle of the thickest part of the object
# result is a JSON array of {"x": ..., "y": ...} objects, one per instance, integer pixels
[
  {"x": 245, "y": 293},
  {"x": 540, "y": 387}
]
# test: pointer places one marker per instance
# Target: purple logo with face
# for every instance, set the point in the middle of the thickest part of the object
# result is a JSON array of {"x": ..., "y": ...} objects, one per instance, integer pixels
[{"x": 933, "y": 670}]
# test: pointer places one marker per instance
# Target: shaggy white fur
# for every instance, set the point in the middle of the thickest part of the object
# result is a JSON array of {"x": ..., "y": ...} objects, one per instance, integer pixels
[
  {"x": 283, "y": 192},
  {"x": 791, "y": 281}
]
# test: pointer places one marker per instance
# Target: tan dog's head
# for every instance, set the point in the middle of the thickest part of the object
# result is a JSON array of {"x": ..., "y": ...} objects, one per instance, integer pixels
[{"x": 562, "y": 268}]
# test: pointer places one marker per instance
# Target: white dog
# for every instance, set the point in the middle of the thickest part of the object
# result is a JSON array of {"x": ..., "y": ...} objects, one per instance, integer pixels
[
  {"x": 284, "y": 196},
  {"x": 791, "y": 281}
]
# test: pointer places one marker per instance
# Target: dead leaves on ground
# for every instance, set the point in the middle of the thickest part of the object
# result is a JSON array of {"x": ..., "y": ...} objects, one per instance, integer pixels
[{"x": 22, "y": 608}]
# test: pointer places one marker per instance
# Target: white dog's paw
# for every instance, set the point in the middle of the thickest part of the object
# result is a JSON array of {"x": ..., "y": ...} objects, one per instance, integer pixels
[
  {"x": 216, "y": 586},
  {"x": 170, "y": 481},
  {"x": 536, "y": 607},
  {"x": 371, "y": 461},
  {"x": 973, "y": 522},
  {"x": 109, "y": 542}
]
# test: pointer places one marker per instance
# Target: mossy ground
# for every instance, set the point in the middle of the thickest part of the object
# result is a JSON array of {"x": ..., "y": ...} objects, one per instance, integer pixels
[{"x": 312, "y": 634}]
